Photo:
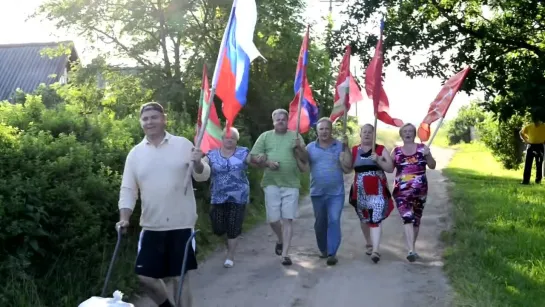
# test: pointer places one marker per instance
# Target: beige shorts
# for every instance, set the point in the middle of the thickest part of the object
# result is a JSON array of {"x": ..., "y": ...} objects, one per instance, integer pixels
[{"x": 281, "y": 203}]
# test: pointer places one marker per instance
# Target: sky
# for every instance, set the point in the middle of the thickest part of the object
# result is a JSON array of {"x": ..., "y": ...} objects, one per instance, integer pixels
[{"x": 409, "y": 98}]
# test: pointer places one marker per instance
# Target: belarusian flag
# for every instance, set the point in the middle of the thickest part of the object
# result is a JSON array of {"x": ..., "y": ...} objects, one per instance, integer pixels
[
  {"x": 342, "y": 88},
  {"x": 212, "y": 134}
]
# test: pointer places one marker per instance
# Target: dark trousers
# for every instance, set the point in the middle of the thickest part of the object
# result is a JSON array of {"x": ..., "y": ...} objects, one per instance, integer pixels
[{"x": 534, "y": 151}]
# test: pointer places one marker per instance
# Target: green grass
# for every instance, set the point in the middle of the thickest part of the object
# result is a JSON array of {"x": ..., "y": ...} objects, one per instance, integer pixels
[{"x": 496, "y": 253}]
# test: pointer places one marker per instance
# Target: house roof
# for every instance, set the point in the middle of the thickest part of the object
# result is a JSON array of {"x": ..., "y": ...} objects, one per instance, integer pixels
[{"x": 22, "y": 66}]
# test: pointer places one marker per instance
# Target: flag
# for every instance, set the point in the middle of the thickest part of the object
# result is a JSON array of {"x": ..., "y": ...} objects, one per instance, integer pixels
[
  {"x": 355, "y": 94},
  {"x": 212, "y": 134},
  {"x": 440, "y": 105},
  {"x": 309, "y": 108},
  {"x": 237, "y": 51},
  {"x": 374, "y": 89},
  {"x": 342, "y": 88}
]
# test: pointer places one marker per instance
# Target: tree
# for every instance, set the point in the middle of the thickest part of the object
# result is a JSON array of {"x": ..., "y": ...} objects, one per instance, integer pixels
[
  {"x": 186, "y": 34},
  {"x": 501, "y": 40}
]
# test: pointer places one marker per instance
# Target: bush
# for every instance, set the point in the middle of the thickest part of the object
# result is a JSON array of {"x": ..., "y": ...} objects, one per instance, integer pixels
[
  {"x": 60, "y": 172},
  {"x": 502, "y": 137},
  {"x": 459, "y": 129}
]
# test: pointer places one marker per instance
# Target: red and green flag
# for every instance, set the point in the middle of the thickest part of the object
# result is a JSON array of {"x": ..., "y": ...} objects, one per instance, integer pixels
[{"x": 212, "y": 134}]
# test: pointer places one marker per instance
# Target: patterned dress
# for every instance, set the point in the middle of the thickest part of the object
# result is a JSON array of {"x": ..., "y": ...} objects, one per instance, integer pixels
[
  {"x": 411, "y": 184},
  {"x": 369, "y": 193},
  {"x": 229, "y": 191}
]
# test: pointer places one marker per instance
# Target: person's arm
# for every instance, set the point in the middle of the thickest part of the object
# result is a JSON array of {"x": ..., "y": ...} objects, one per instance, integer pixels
[
  {"x": 128, "y": 193},
  {"x": 430, "y": 160},
  {"x": 303, "y": 166},
  {"x": 523, "y": 133},
  {"x": 300, "y": 151},
  {"x": 384, "y": 161},
  {"x": 393, "y": 159},
  {"x": 201, "y": 170},
  {"x": 258, "y": 155},
  {"x": 346, "y": 160}
]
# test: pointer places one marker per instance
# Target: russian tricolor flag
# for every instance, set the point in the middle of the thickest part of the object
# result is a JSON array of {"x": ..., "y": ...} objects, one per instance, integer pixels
[
  {"x": 237, "y": 51},
  {"x": 309, "y": 108}
]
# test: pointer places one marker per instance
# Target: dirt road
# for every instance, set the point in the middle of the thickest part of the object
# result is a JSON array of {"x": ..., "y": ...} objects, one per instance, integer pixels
[{"x": 258, "y": 278}]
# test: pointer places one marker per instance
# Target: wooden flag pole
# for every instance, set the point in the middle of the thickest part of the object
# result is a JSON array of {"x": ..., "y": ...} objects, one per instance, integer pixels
[
  {"x": 374, "y": 134},
  {"x": 436, "y": 129},
  {"x": 301, "y": 92}
]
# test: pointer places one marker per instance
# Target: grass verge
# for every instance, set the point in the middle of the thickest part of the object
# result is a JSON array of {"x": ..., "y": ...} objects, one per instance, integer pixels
[{"x": 496, "y": 254}]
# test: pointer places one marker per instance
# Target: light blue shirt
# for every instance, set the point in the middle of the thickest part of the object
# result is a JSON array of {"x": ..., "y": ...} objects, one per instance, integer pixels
[
  {"x": 228, "y": 179},
  {"x": 326, "y": 173}
]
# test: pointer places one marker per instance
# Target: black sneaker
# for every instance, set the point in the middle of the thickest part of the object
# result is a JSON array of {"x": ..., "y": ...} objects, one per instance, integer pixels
[
  {"x": 332, "y": 260},
  {"x": 278, "y": 249},
  {"x": 286, "y": 261}
]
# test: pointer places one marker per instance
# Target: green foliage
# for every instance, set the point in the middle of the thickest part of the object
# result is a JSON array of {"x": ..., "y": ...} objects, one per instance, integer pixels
[
  {"x": 502, "y": 138},
  {"x": 500, "y": 40},
  {"x": 459, "y": 129}
]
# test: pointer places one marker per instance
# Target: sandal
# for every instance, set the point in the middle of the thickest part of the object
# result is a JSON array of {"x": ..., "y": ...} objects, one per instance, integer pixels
[
  {"x": 375, "y": 257},
  {"x": 286, "y": 261},
  {"x": 278, "y": 249},
  {"x": 369, "y": 250}
]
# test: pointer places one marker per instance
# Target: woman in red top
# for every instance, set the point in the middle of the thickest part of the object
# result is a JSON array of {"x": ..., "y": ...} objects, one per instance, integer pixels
[{"x": 369, "y": 194}]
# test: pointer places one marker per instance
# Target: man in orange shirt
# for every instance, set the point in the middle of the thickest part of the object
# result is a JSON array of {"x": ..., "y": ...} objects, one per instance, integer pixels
[{"x": 534, "y": 136}]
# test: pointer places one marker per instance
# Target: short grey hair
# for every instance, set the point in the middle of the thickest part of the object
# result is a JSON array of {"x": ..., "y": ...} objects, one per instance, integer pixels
[
  {"x": 407, "y": 125},
  {"x": 325, "y": 119},
  {"x": 367, "y": 125},
  {"x": 234, "y": 133},
  {"x": 280, "y": 111}
]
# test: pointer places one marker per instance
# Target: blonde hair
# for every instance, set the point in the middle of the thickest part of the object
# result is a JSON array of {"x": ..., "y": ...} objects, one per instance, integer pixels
[
  {"x": 234, "y": 133},
  {"x": 407, "y": 125},
  {"x": 280, "y": 111}
]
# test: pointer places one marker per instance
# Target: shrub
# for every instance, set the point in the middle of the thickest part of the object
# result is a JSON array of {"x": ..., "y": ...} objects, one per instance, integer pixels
[
  {"x": 502, "y": 137},
  {"x": 459, "y": 129},
  {"x": 60, "y": 171}
]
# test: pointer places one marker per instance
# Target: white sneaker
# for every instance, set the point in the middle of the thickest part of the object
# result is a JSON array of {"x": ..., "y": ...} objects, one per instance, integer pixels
[{"x": 228, "y": 263}]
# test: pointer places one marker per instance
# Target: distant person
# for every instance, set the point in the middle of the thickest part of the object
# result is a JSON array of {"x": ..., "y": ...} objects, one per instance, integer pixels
[
  {"x": 370, "y": 194},
  {"x": 533, "y": 136},
  {"x": 157, "y": 167},
  {"x": 229, "y": 190},
  {"x": 283, "y": 154},
  {"x": 411, "y": 184},
  {"x": 329, "y": 160}
]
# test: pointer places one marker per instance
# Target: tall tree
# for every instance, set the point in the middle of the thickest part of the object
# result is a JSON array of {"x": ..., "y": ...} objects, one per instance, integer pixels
[{"x": 501, "y": 39}]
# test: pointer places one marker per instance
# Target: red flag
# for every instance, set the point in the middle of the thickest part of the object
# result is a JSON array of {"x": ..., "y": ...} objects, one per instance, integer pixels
[
  {"x": 309, "y": 108},
  {"x": 355, "y": 94},
  {"x": 341, "y": 103},
  {"x": 212, "y": 134},
  {"x": 374, "y": 89},
  {"x": 439, "y": 107}
]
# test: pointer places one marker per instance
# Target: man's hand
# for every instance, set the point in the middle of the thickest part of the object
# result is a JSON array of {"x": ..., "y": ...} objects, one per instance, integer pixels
[
  {"x": 374, "y": 157},
  {"x": 122, "y": 225},
  {"x": 298, "y": 143},
  {"x": 273, "y": 165},
  {"x": 196, "y": 155}
]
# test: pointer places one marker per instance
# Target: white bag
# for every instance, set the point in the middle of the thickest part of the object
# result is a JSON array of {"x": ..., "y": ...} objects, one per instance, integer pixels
[{"x": 116, "y": 301}]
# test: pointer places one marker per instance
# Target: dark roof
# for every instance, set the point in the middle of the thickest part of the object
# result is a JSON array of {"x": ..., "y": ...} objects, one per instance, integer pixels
[{"x": 22, "y": 66}]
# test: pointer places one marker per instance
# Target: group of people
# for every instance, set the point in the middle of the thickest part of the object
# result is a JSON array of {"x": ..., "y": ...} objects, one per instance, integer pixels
[{"x": 157, "y": 166}]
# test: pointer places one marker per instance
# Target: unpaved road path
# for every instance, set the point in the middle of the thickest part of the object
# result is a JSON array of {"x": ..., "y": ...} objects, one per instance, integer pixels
[{"x": 258, "y": 278}]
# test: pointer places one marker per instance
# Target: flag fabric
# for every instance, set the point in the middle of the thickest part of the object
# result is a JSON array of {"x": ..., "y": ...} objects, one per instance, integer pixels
[
  {"x": 374, "y": 89},
  {"x": 440, "y": 105},
  {"x": 231, "y": 75},
  {"x": 309, "y": 108},
  {"x": 212, "y": 134},
  {"x": 341, "y": 105},
  {"x": 355, "y": 94}
]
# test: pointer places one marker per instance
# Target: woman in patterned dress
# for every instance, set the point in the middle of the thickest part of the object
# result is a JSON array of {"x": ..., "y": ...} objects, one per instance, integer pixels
[
  {"x": 369, "y": 194},
  {"x": 229, "y": 190},
  {"x": 411, "y": 184}
]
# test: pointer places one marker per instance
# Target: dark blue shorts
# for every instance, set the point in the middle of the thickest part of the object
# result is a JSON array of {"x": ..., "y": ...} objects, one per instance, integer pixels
[{"x": 161, "y": 253}]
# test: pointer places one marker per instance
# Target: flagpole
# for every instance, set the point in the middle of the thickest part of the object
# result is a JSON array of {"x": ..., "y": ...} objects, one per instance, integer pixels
[
  {"x": 204, "y": 119},
  {"x": 436, "y": 130}
]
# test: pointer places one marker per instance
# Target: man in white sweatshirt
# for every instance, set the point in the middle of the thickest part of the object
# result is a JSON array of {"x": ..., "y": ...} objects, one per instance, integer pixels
[{"x": 157, "y": 167}]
